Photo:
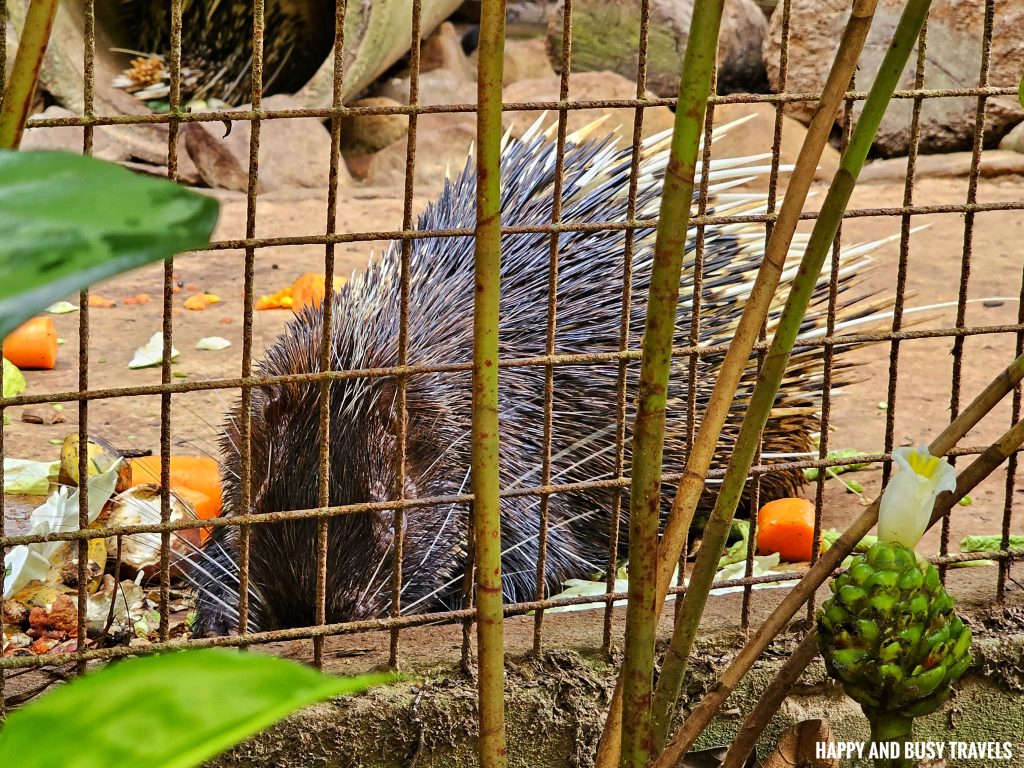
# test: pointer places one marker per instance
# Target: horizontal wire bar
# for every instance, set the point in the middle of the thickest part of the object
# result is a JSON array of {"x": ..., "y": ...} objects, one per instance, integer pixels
[
  {"x": 223, "y": 116},
  {"x": 539, "y": 361}
]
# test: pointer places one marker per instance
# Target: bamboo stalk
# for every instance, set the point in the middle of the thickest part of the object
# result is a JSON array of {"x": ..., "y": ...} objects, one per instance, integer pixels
[
  {"x": 655, "y": 366},
  {"x": 829, "y": 560},
  {"x": 21, "y": 87},
  {"x": 746, "y": 739},
  {"x": 485, "y": 479},
  {"x": 776, "y": 361},
  {"x": 755, "y": 311}
]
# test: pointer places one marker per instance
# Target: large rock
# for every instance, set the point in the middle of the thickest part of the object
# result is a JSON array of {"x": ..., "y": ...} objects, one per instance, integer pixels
[
  {"x": 1014, "y": 140},
  {"x": 953, "y": 61},
  {"x": 134, "y": 145},
  {"x": 294, "y": 152},
  {"x": 605, "y": 35},
  {"x": 366, "y": 134}
]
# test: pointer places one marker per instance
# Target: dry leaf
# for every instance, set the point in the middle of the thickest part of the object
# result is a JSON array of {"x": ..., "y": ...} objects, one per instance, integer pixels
[{"x": 798, "y": 747}]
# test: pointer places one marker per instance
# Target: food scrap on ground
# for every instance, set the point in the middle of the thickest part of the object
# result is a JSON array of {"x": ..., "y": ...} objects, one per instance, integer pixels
[
  {"x": 213, "y": 343},
  {"x": 308, "y": 290},
  {"x": 41, "y": 579},
  {"x": 14, "y": 380},
  {"x": 42, "y": 414},
  {"x": 201, "y": 301},
  {"x": 32, "y": 345},
  {"x": 98, "y": 302},
  {"x": 786, "y": 527},
  {"x": 139, "y": 298},
  {"x": 151, "y": 353},
  {"x": 28, "y": 477},
  {"x": 62, "y": 308}
]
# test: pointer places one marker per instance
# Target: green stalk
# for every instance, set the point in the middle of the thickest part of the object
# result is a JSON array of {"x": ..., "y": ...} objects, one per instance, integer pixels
[
  {"x": 777, "y": 359},
  {"x": 17, "y": 99},
  {"x": 485, "y": 481},
  {"x": 755, "y": 311},
  {"x": 656, "y": 363},
  {"x": 891, "y": 727}
]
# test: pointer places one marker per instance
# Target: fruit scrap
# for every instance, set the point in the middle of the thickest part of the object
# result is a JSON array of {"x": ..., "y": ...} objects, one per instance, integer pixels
[
  {"x": 280, "y": 300},
  {"x": 201, "y": 301},
  {"x": 199, "y": 474},
  {"x": 308, "y": 290},
  {"x": 786, "y": 526},
  {"x": 139, "y": 298},
  {"x": 98, "y": 302},
  {"x": 33, "y": 345}
]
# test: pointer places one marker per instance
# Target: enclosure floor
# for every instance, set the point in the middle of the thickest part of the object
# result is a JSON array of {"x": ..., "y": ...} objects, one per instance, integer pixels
[{"x": 923, "y": 394}]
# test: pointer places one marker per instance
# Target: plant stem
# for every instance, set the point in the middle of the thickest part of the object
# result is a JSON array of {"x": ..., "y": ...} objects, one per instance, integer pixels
[
  {"x": 21, "y": 87},
  {"x": 755, "y": 311},
  {"x": 776, "y": 361},
  {"x": 829, "y": 560},
  {"x": 656, "y": 363},
  {"x": 485, "y": 480},
  {"x": 891, "y": 727}
]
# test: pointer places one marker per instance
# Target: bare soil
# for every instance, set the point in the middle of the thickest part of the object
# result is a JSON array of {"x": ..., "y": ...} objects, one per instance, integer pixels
[{"x": 925, "y": 366}]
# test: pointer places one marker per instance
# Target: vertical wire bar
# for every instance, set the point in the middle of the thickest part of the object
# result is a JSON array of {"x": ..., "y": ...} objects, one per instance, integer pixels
[
  {"x": 771, "y": 203},
  {"x": 695, "y": 304},
  {"x": 965, "y": 264},
  {"x": 3, "y": 87},
  {"x": 904, "y": 258},
  {"x": 486, "y": 450},
  {"x": 326, "y": 331},
  {"x": 552, "y": 311},
  {"x": 88, "y": 100},
  {"x": 174, "y": 100},
  {"x": 3, "y": 412},
  {"x": 828, "y": 357},
  {"x": 245, "y": 423},
  {"x": 398, "y": 517},
  {"x": 1011, "y": 465},
  {"x": 624, "y": 336}
]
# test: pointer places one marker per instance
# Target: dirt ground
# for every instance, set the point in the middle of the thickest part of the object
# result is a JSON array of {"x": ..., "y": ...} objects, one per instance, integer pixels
[{"x": 923, "y": 393}]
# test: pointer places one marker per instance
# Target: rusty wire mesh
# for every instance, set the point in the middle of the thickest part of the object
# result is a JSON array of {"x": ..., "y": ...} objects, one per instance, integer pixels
[{"x": 628, "y": 352}]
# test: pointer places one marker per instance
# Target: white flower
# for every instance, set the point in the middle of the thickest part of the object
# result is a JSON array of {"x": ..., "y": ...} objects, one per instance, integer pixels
[{"x": 909, "y": 497}]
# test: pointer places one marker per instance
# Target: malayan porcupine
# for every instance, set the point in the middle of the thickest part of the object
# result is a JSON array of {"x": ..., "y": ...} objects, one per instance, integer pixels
[
  {"x": 364, "y": 334},
  {"x": 217, "y": 49}
]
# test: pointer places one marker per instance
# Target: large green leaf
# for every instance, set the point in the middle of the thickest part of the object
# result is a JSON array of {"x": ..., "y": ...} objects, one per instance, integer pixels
[
  {"x": 170, "y": 711},
  {"x": 67, "y": 221}
]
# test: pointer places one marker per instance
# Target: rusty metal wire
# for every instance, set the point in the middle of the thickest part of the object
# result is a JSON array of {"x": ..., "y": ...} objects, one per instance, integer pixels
[{"x": 401, "y": 507}]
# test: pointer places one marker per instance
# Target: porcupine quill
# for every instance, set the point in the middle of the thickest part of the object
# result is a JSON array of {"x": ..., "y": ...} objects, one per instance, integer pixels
[{"x": 364, "y": 334}]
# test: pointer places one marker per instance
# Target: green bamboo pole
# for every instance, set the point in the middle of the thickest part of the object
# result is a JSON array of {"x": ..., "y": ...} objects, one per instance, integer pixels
[
  {"x": 486, "y": 503},
  {"x": 774, "y": 367},
  {"x": 21, "y": 87},
  {"x": 755, "y": 311},
  {"x": 656, "y": 363},
  {"x": 1004, "y": 383}
]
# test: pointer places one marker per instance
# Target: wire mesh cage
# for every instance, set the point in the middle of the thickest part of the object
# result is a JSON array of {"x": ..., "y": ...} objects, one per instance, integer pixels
[{"x": 396, "y": 504}]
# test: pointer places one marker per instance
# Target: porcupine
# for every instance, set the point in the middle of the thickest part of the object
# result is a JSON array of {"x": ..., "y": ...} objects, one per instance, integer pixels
[
  {"x": 364, "y": 335},
  {"x": 216, "y": 56}
]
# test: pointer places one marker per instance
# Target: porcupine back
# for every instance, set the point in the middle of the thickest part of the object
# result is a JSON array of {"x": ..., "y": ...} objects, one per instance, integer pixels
[{"x": 364, "y": 335}]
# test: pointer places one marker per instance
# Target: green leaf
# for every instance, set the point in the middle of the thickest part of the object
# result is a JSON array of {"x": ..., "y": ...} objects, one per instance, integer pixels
[
  {"x": 171, "y": 711},
  {"x": 68, "y": 221},
  {"x": 1020, "y": 92}
]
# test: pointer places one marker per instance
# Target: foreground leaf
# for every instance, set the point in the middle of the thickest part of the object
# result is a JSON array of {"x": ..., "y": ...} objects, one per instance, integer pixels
[
  {"x": 170, "y": 711},
  {"x": 68, "y": 221}
]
